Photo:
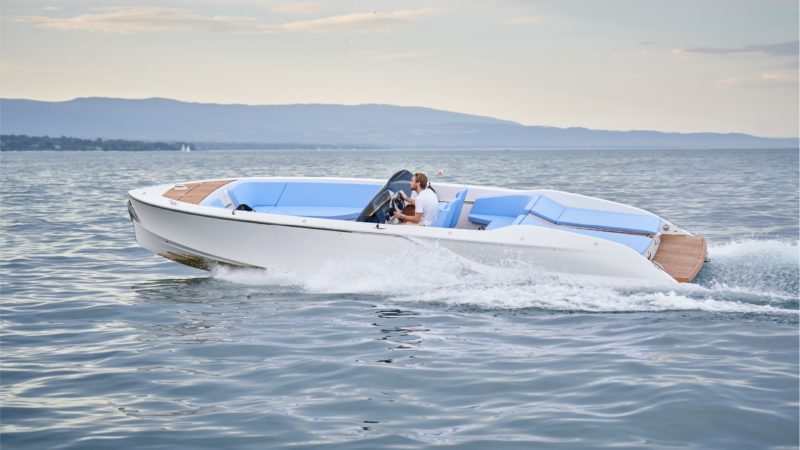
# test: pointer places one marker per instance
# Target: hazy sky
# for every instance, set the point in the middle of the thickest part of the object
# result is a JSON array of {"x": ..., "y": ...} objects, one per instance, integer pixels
[{"x": 680, "y": 65}]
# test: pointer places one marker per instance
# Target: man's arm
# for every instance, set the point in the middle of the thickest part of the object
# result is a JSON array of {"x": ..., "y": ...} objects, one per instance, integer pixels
[
  {"x": 413, "y": 219},
  {"x": 408, "y": 199}
]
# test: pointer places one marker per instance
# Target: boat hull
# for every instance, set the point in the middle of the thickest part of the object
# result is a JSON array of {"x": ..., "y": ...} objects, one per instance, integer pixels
[{"x": 203, "y": 237}]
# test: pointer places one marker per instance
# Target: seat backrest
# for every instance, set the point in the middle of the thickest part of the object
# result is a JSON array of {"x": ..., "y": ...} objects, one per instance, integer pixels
[
  {"x": 449, "y": 212},
  {"x": 548, "y": 209},
  {"x": 304, "y": 193},
  {"x": 504, "y": 205},
  {"x": 256, "y": 193},
  {"x": 621, "y": 222},
  {"x": 458, "y": 203},
  {"x": 443, "y": 217}
]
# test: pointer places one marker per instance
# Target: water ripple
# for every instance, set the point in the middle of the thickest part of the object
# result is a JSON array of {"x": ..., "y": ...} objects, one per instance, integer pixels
[{"x": 104, "y": 344}]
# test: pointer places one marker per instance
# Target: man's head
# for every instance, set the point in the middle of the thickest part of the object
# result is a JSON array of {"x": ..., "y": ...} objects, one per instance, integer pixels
[{"x": 419, "y": 181}]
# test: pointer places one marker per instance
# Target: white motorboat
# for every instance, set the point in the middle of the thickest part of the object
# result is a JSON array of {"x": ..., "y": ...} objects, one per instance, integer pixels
[{"x": 300, "y": 224}]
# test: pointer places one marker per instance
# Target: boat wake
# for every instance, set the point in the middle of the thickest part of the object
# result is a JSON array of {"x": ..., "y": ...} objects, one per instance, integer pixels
[{"x": 747, "y": 276}]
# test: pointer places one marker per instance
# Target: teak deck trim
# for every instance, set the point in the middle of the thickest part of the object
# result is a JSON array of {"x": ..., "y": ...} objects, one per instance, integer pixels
[
  {"x": 681, "y": 257},
  {"x": 195, "y": 192}
]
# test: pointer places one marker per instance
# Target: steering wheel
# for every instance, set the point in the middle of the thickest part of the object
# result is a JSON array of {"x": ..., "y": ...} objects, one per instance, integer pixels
[{"x": 396, "y": 201}]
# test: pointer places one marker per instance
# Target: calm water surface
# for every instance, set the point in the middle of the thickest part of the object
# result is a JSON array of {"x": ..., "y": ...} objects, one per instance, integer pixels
[{"x": 106, "y": 345}]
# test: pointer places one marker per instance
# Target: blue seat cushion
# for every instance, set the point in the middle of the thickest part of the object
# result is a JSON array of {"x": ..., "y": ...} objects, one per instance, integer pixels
[
  {"x": 215, "y": 203},
  {"x": 547, "y": 209},
  {"x": 443, "y": 216},
  {"x": 327, "y": 194},
  {"x": 504, "y": 205},
  {"x": 306, "y": 199},
  {"x": 611, "y": 221},
  {"x": 500, "y": 211},
  {"x": 449, "y": 212},
  {"x": 322, "y": 212},
  {"x": 637, "y": 242},
  {"x": 526, "y": 219},
  {"x": 557, "y": 213},
  {"x": 499, "y": 222},
  {"x": 256, "y": 193},
  {"x": 458, "y": 204},
  {"x": 484, "y": 219}
]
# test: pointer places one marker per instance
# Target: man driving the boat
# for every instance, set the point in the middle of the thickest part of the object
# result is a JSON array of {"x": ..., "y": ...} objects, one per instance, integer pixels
[{"x": 426, "y": 203}]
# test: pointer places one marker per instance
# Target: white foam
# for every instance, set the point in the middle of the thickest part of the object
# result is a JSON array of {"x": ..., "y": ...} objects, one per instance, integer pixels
[
  {"x": 772, "y": 251},
  {"x": 443, "y": 277},
  {"x": 256, "y": 277},
  {"x": 568, "y": 297},
  {"x": 753, "y": 267}
]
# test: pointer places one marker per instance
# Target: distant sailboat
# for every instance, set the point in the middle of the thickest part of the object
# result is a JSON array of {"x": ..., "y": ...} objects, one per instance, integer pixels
[{"x": 186, "y": 148}]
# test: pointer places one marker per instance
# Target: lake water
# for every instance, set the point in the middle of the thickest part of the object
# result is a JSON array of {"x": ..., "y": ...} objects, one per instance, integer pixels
[{"x": 105, "y": 345}]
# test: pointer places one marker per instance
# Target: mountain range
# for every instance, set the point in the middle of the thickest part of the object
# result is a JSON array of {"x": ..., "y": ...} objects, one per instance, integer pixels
[{"x": 310, "y": 125}]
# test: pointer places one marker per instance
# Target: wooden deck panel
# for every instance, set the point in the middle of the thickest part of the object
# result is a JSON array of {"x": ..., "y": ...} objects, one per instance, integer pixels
[
  {"x": 195, "y": 192},
  {"x": 176, "y": 194},
  {"x": 681, "y": 257}
]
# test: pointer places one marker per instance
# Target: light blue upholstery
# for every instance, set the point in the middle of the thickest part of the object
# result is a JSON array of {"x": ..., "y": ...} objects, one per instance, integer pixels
[
  {"x": 328, "y": 194},
  {"x": 458, "y": 204},
  {"x": 449, "y": 212},
  {"x": 307, "y": 199},
  {"x": 639, "y": 243},
  {"x": 636, "y": 242},
  {"x": 611, "y": 221},
  {"x": 500, "y": 221},
  {"x": 483, "y": 219},
  {"x": 528, "y": 220},
  {"x": 557, "y": 213},
  {"x": 215, "y": 203},
  {"x": 547, "y": 209},
  {"x": 323, "y": 212},
  {"x": 504, "y": 205},
  {"x": 256, "y": 193},
  {"x": 496, "y": 212},
  {"x": 443, "y": 216}
]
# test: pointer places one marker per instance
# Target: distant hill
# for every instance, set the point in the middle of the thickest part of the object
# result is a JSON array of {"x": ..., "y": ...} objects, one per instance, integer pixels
[
  {"x": 21, "y": 142},
  {"x": 159, "y": 119}
]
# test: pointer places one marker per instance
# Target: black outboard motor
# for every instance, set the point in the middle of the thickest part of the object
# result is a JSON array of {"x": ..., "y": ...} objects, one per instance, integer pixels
[{"x": 380, "y": 208}]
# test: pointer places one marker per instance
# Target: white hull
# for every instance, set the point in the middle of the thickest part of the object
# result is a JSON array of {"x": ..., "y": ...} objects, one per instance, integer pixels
[{"x": 202, "y": 236}]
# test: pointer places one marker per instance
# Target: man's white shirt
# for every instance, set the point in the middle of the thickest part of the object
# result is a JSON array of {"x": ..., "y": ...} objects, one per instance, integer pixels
[{"x": 427, "y": 204}]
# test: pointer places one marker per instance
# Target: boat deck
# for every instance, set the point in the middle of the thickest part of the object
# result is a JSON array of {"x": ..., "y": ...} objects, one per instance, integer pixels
[
  {"x": 195, "y": 192},
  {"x": 681, "y": 257}
]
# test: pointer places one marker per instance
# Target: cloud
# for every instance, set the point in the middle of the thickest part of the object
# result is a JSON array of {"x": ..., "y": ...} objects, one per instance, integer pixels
[
  {"x": 790, "y": 48},
  {"x": 125, "y": 20},
  {"x": 378, "y": 56},
  {"x": 144, "y": 20},
  {"x": 299, "y": 8},
  {"x": 766, "y": 79},
  {"x": 621, "y": 55},
  {"x": 370, "y": 22}
]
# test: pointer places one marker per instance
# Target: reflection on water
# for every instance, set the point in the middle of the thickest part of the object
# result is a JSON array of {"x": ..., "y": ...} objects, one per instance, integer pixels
[{"x": 399, "y": 330}]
